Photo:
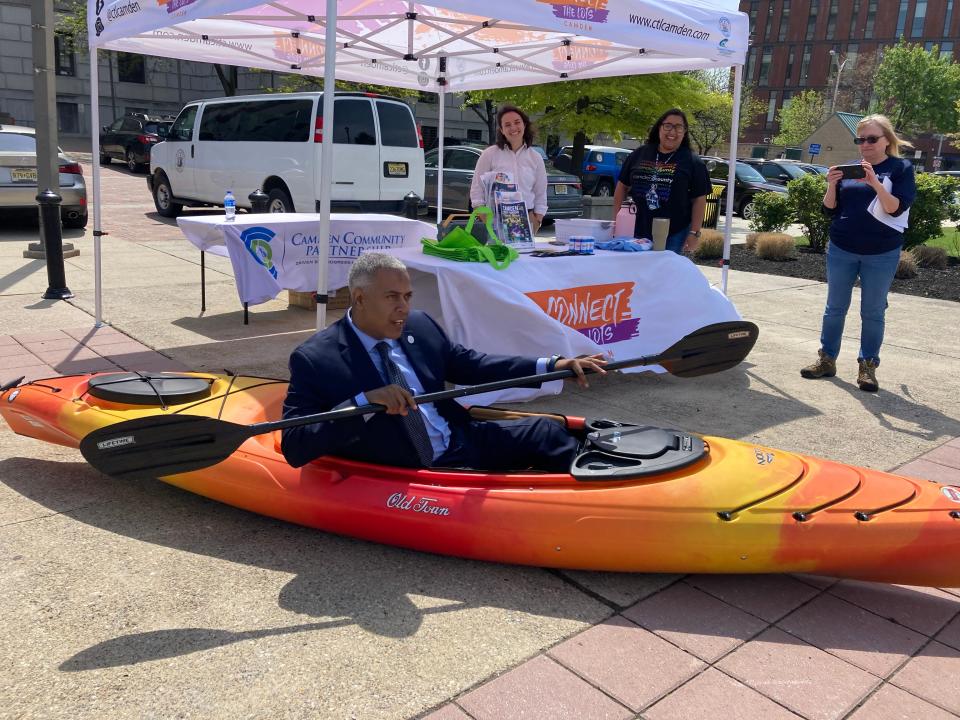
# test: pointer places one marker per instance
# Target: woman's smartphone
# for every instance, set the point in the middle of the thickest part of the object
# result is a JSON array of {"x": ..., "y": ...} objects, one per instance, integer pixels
[{"x": 852, "y": 172}]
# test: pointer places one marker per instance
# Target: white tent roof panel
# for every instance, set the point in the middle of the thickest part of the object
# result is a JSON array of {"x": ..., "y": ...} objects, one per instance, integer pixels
[{"x": 401, "y": 44}]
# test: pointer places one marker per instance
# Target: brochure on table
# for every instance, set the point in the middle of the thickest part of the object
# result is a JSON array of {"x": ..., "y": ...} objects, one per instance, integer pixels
[{"x": 511, "y": 214}]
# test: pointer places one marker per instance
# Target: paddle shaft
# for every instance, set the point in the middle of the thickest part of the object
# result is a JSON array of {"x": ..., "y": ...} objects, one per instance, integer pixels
[{"x": 352, "y": 411}]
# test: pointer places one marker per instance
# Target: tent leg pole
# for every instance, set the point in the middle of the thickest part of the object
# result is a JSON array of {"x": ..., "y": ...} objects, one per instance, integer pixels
[
  {"x": 95, "y": 162},
  {"x": 326, "y": 159},
  {"x": 441, "y": 98},
  {"x": 203, "y": 282},
  {"x": 731, "y": 176}
]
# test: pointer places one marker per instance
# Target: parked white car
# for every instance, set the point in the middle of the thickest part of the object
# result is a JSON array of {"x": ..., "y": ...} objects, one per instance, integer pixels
[{"x": 272, "y": 143}]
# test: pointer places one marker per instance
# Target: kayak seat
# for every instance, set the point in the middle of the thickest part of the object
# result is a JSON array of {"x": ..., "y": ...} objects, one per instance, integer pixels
[{"x": 620, "y": 451}]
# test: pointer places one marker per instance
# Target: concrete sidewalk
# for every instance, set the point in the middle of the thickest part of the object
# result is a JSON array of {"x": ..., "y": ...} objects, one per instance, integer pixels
[{"x": 135, "y": 599}]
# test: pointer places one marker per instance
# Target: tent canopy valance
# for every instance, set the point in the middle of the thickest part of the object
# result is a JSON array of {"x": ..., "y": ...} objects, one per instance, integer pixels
[{"x": 444, "y": 47}]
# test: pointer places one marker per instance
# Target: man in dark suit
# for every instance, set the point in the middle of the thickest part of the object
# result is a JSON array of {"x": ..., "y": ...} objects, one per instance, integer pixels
[{"x": 382, "y": 352}]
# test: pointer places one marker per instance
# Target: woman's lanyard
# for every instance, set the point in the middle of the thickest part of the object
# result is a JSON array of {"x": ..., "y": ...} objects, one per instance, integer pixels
[{"x": 652, "y": 197}]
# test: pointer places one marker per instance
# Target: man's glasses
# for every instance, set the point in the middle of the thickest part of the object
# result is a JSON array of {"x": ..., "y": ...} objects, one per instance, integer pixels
[
  {"x": 670, "y": 127},
  {"x": 872, "y": 139}
]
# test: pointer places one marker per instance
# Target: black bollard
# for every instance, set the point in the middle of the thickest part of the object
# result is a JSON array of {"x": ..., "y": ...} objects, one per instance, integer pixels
[
  {"x": 52, "y": 237},
  {"x": 259, "y": 201},
  {"x": 411, "y": 205}
]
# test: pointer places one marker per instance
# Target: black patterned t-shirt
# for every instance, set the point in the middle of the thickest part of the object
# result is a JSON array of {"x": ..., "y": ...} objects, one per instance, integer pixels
[{"x": 675, "y": 179}]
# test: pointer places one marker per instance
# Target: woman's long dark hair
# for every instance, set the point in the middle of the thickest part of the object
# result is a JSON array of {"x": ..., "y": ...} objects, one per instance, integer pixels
[
  {"x": 654, "y": 137},
  {"x": 528, "y": 133}
]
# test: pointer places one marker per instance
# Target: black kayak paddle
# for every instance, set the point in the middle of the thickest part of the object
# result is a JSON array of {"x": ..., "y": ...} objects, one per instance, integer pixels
[{"x": 162, "y": 445}]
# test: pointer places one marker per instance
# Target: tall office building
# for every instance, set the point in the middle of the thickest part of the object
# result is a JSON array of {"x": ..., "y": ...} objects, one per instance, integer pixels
[{"x": 832, "y": 46}]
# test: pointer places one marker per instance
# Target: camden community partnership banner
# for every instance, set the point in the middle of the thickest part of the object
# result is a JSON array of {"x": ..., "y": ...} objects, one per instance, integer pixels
[{"x": 283, "y": 253}]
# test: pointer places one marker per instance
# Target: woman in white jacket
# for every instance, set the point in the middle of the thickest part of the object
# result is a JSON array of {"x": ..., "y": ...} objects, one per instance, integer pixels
[{"x": 513, "y": 152}]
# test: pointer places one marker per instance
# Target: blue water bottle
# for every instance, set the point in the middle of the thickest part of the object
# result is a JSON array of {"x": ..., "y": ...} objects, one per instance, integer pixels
[{"x": 229, "y": 206}]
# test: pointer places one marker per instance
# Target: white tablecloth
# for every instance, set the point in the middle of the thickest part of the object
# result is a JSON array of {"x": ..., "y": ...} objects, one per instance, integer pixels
[
  {"x": 628, "y": 304},
  {"x": 273, "y": 252}
]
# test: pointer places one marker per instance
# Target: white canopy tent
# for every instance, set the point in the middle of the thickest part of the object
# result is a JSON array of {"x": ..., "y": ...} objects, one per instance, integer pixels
[{"x": 441, "y": 47}]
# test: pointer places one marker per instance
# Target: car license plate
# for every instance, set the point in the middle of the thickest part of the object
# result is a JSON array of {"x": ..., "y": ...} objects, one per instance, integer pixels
[
  {"x": 23, "y": 175},
  {"x": 559, "y": 189},
  {"x": 396, "y": 169}
]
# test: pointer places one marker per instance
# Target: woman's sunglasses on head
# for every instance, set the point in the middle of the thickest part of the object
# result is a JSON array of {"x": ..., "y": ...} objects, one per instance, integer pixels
[{"x": 872, "y": 139}]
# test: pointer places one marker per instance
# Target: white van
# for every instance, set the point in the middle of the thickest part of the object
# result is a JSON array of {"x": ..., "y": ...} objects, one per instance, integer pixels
[{"x": 272, "y": 142}]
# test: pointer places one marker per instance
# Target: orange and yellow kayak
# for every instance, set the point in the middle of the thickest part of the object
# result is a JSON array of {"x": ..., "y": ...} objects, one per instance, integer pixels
[{"x": 638, "y": 499}]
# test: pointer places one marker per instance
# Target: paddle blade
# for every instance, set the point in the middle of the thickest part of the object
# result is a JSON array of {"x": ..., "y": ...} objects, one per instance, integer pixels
[
  {"x": 161, "y": 445},
  {"x": 711, "y": 349}
]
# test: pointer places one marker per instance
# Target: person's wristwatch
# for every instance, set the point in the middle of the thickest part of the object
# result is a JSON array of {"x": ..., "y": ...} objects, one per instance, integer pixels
[
  {"x": 552, "y": 363},
  {"x": 695, "y": 233}
]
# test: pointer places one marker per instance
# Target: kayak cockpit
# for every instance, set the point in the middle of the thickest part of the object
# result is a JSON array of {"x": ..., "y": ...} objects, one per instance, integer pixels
[{"x": 621, "y": 451}]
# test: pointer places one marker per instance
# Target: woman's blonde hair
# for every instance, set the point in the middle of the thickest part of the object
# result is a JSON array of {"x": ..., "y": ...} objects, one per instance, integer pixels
[{"x": 893, "y": 142}]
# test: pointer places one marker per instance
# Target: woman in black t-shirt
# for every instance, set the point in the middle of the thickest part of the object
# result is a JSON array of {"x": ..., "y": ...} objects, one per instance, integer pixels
[{"x": 666, "y": 179}]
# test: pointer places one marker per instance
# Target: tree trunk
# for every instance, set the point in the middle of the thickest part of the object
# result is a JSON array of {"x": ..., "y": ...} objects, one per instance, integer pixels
[{"x": 228, "y": 79}]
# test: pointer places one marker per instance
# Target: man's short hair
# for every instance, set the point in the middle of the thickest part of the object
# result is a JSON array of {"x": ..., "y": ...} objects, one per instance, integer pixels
[{"x": 366, "y": 266}]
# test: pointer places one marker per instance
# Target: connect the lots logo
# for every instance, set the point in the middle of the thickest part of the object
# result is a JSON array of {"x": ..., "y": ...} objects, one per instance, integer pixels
[
  {"x": 257, "y": 242},
  {"x": 591, "y": 11},
  {"x": 601, "y": 312}
]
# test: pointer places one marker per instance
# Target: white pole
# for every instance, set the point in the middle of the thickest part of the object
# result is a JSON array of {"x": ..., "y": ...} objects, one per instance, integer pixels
[
  {"x": 326, "y": 159},
  {"x": 442, "y": 99},
  {"x": 732, "y": 175},
  {"x": 95, "y": 163}
]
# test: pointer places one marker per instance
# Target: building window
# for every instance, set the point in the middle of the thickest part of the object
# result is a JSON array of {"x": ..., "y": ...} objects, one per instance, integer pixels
[
  {"x": 919, "y": 18},
  {"x": 871, "y": 19},
  {"x": 766, "y": 32},
  {"x": 832, "y": 19},
  {"x": 64, "y": 55},
  {"x": 771, "y": 108},
  {"x": 901, "y": 18},
  {"x": 948, "y": 18},
  {"x": 812, "y": 20},
  {"x": 784, "y": 21},
  {"x": 475, "y": 135},
  {"x": 751, "y": 61},
  {"x": 130, "y": 68},
  {"x": 765, "y": 66},
  {"x": 854, "y": 13},
  {"x": 804, "y": 65},
  {"x": 68, "y": 119},
  {"x": 754, "y": 9},
  {"x": 853, "y": 50},
  {"x": 791, "y": 56},
  {"x": 946, "y": 49}
]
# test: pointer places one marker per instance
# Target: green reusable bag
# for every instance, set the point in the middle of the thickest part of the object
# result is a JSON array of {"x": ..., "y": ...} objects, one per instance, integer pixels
[{"x": 460, "y": 245}]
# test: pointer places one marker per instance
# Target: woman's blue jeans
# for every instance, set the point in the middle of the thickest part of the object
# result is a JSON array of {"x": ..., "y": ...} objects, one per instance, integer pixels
[{"x": 876, "y": 274}]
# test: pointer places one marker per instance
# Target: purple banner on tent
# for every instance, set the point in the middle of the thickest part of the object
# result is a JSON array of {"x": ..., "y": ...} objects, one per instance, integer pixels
[
  {"x": 579, "y": 12},
  {"x": 613, "y": 332}
]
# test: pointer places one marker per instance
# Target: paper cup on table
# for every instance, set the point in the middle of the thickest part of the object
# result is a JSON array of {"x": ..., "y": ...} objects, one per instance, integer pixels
[{"x": 661, "y": 228}]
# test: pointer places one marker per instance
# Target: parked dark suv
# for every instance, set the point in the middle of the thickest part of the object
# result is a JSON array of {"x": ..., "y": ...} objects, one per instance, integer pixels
[
  {"x": 747, "y": 184},
  {"x": 130, "y": 138},
  {"x": 778, "y": 171}
]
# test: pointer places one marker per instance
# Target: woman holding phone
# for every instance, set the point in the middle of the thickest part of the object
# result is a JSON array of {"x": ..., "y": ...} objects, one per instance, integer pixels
[{"x": 867, "y": 203}]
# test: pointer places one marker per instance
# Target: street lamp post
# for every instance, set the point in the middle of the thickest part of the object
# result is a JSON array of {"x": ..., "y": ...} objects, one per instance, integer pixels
[{"x": 836, "y": 87}]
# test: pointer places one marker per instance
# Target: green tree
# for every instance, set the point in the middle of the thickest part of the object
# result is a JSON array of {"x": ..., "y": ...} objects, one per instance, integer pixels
[
  {"x": 310, "y": 83},
  {"x": 616, "y": 106},
  {"x": 800, "y": 117},
  {"x": 917, "y": 89},
  {"x": 710, "y": 125}
]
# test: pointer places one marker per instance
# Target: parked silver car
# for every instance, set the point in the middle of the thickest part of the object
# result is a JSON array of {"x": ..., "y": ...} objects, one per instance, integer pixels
[{"x": 18, "y": 177}]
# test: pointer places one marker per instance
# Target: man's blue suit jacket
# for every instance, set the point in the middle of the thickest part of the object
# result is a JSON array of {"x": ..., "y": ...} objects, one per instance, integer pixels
[{"x": 332, "y": 366}]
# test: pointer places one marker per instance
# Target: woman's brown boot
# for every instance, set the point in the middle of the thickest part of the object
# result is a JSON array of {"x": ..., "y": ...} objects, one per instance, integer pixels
[
  {"x": 867, "y": 377},
  {"x": 825, "y": 366}
]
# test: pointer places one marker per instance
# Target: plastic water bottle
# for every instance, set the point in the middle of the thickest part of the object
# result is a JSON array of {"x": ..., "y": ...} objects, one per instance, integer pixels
[{"x": 229, "y": 206}]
